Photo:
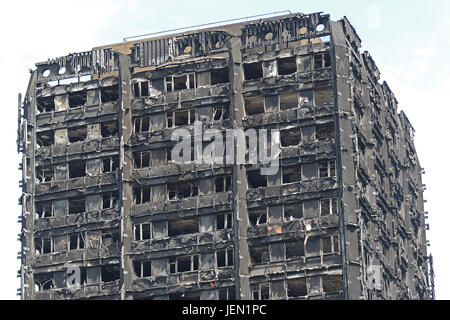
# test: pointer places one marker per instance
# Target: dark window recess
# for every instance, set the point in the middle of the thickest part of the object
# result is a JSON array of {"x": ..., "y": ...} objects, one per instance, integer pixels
[
  {"x": 183, "y": 226},
  {"x": 142, "y": 159},
  {"x": 259, "y": 254},
  {"x": 142, "y": 232},
  {"x": 223, "y": 184},
  {"x": 142, "y": 124},
  {"x": 44, "y": 174},
  {"x": 180, "y": 83},
  {"x": 184, "y": 264},
  {"x": 110, "y": 164},
  {"x": 46, "y": 104},
  {"x": 182, "y": 190},
  {"x": 332, "y": 283},
  {"x": 44, "y": 281},
  {"x": 142, "y": 269},
  {"x": 76, "y": 241},
  {"x": 77, "y": 134},
  {"x": 110, "y": 94},
  {"x": 227, "y": 294},
  {"x": 77, "y": 205},
  {"x": 44, "y": 209},
  {"x": 327, "y": 169},
  {"x": 256, "y": 180},
  {"x": 287, "y": 66},
  {"x": 325, "y": 131},
  {"x": 224, "y": 258},
  {"x": 77, "y": 169},
  {"x": 290, "y": 137},
  {"x": 43, "y": 245},
  {"x": 295, "y": 249},
  {"x": 253, "y": 71},
  {"x": 142, "y": 195},
  {"x": 260, "y": 291},
  {"x": 291, "y": 174},
  {"x": 257, "y": 216},
  {"x": 254, "y": 106},
  {"x": 141, "y": 89},
  {"x": 220, "y": 113},
  {"x": 297, "y": 288},
  {"x": 289, "y": 100},
  {"x": 328, "y": 206},
  {"x": 293, "y": 211},
  {"x": 323, "y": 96},
  {"x": 219, "y": 76},
  {"x": 77, "y": 99},
  {"x": 110, "y": 273},
  {"x": 110, "y": 200},
  {"x": 109, "y": 129},
  {"x": 322, "y": 60},
  {"x": 224, "y": 221},
  {"x": 45, "y": 139}
]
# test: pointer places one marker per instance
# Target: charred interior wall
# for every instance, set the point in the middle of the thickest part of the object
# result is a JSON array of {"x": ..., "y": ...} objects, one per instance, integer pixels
[{"x": 102, "y": 198}]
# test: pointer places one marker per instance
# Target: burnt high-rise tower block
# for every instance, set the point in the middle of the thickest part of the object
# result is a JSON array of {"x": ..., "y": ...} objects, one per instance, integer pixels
[{"x": 108, "y": 214}]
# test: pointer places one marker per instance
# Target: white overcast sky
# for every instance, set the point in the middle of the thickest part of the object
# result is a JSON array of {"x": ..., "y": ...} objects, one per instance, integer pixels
[{"x": 408, "y": 40}]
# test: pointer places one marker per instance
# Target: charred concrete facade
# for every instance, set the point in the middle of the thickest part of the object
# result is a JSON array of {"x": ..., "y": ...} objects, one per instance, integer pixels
[{"x": 108, "y": 215}]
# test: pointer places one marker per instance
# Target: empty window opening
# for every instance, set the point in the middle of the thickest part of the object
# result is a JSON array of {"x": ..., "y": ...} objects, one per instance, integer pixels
[
  {"x": 182, "y": 82},
  {"x": 220, "y": 113},
  {"x": 44, "y": 281},
  {"x": 330, "y": 244},
  {"x": 109, "y": 129},
  {"x": 110, "y": 200},
  {"x": 77, "y": 169},
  {"x": 77, "y": 205},
  {"x": 289, "y": 100},
  {"x": 45, "y": 139},
  {"x": 325, "y": 131},
  {"x": 110, "y": 164},
  {"x": 44, "y": 209},
  {"x": 256, "y": 180},
  {"x": 322, "y": 60},
  {"x": 142, "y": 124},
  {"x": 110, "y": 94},
  {"x": 44, "y": 174},
  {"x": 141, "y": 89},
  {"x": 142, "y": 195},
  {"x": 219, "y": 76},
  {"x": 297, "y": 288},
  {"x": 46, "y": 104},
  {"x": 260, "y": 291},
  {"x": 327, "y": 169},
  {"x": 287, "y": 66},
  {"x": 332, "y": 283},
  {"x": 291, "y": 174},
  {"x": 77, "y": 99},
  {"x": 43, "y": 245},
  {"x": 110, "y": 273},
  {"x": 110, "y": 236},
  {"x": 293, "y": 212},
  {"x": 295, "y": 249},
  {"x": 328, "y": 207},
  {"x": 224, "y": 221},
  {"x": 184, "y": 264},
  {"x": 253, "y": 71},
  {"x": 183, "y": 226},
  {"x": 224, "y": 258},
  {"x": 259, "y": 254},
  {"x": 306, "y": 98},
  {"x": 76, "y": 241},
  {"x": 142, "y": 269},
  {"x": 227, "y": 294},
  {"x": 142, "y": 159},
  {"x": 180, "y": 118},
  {"x": 290, "y": 137},
  {"x": 223, "y": 184},
  {"x": 257, "y": 216},
  {"x": 254, "y": 106},
  {"x": 142, "y": 232},
  {"x": 182, "y": 190},
  {"x": 323, "y": 96},
  {"x": 77, "y": 134}
]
